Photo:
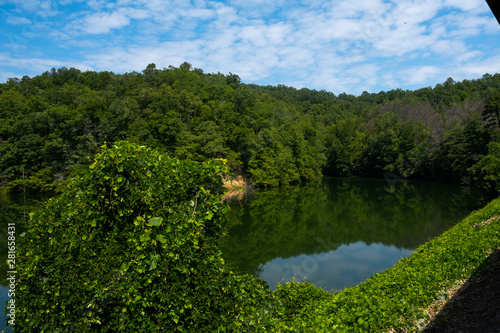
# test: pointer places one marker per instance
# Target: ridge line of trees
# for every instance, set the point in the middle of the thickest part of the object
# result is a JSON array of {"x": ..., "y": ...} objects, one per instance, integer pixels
[{"x": 53, "y": 123}]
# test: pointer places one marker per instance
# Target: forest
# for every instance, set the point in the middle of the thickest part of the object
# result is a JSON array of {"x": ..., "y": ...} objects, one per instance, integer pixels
[{"x": 53, "y": 124}]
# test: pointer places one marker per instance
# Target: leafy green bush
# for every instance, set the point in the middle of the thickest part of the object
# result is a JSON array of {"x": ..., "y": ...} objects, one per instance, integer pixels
[{"x": 130, "y": 246}]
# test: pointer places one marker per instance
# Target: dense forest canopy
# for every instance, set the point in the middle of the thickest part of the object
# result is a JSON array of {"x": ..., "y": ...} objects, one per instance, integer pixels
[{"x": 53, "y": 124}]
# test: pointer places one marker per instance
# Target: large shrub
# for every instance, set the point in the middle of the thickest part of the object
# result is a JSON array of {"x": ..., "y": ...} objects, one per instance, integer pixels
[{"x": 130, "y": 246}]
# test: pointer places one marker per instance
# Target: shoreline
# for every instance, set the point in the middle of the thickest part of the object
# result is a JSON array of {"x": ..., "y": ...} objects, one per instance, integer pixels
[{"x": 404, "y": 298}]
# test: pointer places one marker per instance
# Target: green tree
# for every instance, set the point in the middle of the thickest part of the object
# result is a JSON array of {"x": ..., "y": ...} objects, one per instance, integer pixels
[
  {"x": 491, "y": 114},
  {"x": 487, "y": 171}
]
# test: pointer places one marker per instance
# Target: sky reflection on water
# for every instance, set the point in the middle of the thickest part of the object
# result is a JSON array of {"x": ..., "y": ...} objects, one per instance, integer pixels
[{"x": 348, "y": 265}]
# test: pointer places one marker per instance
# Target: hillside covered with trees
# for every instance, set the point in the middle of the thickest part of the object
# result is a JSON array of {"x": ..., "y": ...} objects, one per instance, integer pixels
[{"x": 54, "y": 123}]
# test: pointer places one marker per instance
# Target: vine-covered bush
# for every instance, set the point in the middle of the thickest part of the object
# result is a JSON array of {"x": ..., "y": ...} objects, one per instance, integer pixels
[{"x": 130, "y": 246}]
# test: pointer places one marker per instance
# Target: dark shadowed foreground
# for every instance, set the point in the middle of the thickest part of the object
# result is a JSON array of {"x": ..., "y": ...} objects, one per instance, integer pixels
[{"x": 476, "y": 306}]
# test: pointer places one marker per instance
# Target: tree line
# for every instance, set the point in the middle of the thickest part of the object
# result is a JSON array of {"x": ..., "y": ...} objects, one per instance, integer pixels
[{"x": 53, "y": 124}]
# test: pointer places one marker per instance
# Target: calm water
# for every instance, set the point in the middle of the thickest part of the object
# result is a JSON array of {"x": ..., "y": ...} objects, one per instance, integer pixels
[
  {"x": 341, "y": 231},
  {"x": 335, "y": 233},
  {"x": 13, "y": 209}
]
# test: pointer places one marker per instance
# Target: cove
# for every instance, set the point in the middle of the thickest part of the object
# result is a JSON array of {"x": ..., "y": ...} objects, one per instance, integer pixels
[{"x": 338, "y": 232}]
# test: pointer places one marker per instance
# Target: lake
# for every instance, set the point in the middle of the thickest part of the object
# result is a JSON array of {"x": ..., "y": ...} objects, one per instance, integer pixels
[
  {"x": 335, "y": 233},
  {"x": 339, "y": 232},
  {"x": 13, "y": 209}
]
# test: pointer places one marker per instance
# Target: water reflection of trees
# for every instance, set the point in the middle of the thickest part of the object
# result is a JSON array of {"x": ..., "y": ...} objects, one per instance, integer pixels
[
  {"x": 13, "y": 209},
  {"x": 289, "y": 221}
]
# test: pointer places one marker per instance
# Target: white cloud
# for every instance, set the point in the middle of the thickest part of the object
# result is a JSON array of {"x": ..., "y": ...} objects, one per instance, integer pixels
[
  {"x": 36, "y": 8},
  {"x": 448, "y": 47},
  {"x": 260, "y": 8},
  {"x": 5, "y": 75},
  {"x": 367, "y": 72},
  {"x": 462, "y": 25},
  {"x": 322, "y": 51},
  {"x": 324, "y": 44},
  {"x": 255, "y": 35},
  {"x": 138, "y": 14},
  {"x": 37, "y": 65},
  {"x": 293, "y": 57},
  {"x": 18, "y": 20},
  {"x": 478, "y": 68},
  {"x": 225, "y": 15},
  {"x": 366, "y": 9},
  {"x": 468, "y": 5},
  {"x": 24, "y": 5},
  {"x": 97, "y": 4},
  {"x": 86, "y": 43},
  {"x": 468, "y": 56},
  {"x": 120, "y": 59},
  {"x": 415, "y": 12},
  {"x": 419, "y": 74},
  {"x": 102, "y": 23},
  {"x": 346, "y": 266},
  {"x": 403, "y": 40},
  {"x": 198, "y": 13}
]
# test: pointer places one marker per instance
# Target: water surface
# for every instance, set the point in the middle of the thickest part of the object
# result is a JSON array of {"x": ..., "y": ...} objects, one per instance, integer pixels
[
  {"x": 339, "y": 232},
  {"x": 13, "y": 209}
]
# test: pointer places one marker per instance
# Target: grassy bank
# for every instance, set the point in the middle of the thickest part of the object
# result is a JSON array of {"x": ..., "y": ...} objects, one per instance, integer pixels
[
  {"x": 396, "y": 299},
  {"x": 235, "y": 187}
]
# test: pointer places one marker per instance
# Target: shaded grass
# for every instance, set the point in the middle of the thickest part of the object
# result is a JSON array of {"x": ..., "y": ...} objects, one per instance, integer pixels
[{"x": 475, "y": 307}]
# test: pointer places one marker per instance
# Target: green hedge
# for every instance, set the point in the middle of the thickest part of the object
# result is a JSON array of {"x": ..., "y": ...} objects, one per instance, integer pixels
[{"x": 396, "y": 297}]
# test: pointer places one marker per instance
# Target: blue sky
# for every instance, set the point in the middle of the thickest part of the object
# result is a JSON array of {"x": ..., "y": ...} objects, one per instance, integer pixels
[{"x": 339, "y": 45}]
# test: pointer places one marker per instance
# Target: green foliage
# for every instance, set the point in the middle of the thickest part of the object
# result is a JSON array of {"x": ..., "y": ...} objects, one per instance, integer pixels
[
  {"x": 129, "y": 246},
  {"x": 491, "y": 111},
  {"x": 293, "y": 297},
  {"x": 487, "y": 171},
  {"x": 272, "y": 135},
  {"x": 57, "y": 120},
  {"x": 42, "y": 180}
]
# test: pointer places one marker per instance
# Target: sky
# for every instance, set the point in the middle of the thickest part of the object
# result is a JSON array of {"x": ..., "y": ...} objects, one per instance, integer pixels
[{"x": 338, "y": 45}]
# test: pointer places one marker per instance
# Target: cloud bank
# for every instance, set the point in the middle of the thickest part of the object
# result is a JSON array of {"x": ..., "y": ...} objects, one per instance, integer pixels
[{"x": 335, "y": 45}]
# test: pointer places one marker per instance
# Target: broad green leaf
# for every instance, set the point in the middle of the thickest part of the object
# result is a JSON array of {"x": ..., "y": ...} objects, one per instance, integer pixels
[
  {"x": 155, "y": 221},
  {"x": 160, "y": 238}
]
